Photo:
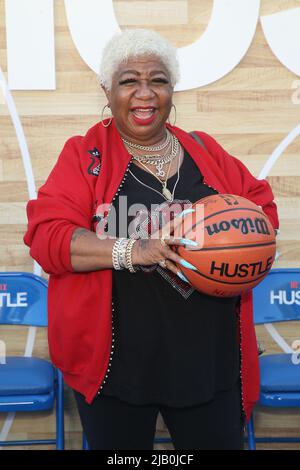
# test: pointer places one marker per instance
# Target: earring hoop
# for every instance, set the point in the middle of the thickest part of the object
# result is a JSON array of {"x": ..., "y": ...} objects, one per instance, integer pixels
[
  {"x": 173, "y": 106},
  {"x": 102, "y": 117}
]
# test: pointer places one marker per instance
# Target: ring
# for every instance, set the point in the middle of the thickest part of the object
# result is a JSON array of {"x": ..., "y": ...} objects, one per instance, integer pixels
[
  {"x": 162, "y": 242},
  {"x": 162, "y": 263}
]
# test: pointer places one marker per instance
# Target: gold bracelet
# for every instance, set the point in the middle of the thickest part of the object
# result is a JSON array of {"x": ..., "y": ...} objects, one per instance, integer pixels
[{"x": 128, "y": 256}]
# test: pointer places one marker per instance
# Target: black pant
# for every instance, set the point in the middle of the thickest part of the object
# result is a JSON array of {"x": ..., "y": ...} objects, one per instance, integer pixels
[{"x": 112, "y": 424}]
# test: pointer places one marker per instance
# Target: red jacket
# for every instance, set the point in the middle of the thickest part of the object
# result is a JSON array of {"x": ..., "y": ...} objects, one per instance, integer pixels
[{"x": 79, "y": 303}]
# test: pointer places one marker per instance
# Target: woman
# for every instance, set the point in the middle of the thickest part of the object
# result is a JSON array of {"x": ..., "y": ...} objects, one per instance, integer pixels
[{"x": 130, "y": 335}]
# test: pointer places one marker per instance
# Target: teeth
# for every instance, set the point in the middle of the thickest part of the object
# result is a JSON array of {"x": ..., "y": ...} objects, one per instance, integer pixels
[{"x": 143, "y": 113}]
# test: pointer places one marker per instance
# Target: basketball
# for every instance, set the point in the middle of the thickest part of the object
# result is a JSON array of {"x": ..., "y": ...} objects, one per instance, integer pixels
[{"x": 236, "y": 245}]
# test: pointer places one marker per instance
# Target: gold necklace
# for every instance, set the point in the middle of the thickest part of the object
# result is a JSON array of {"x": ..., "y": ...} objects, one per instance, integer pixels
[
  {"x": 150, "y": 148},
  {"x": 160, "y": 160},
  {"x": 166, "y": 192},
  {"x": 171, "y": 198}
]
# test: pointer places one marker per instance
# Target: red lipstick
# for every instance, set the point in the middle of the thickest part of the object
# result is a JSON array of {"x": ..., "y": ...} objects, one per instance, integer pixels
[{"x": 138, "y": 115}]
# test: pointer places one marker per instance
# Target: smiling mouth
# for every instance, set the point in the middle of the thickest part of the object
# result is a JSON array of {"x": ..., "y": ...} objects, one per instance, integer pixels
[{"x": 143, "y": 113}]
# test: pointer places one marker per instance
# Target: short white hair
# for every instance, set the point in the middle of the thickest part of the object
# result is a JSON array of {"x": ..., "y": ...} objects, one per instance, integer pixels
[{"x": 136, "y": 43}]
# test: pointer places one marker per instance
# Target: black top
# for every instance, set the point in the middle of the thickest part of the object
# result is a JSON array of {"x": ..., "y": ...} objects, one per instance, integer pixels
[{"x": 169, "y": 348}]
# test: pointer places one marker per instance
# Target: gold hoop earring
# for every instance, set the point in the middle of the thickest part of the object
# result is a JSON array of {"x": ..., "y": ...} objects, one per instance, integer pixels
[
  {"x": 102, "y": 118},
  {"x": 173, "y": 106}
]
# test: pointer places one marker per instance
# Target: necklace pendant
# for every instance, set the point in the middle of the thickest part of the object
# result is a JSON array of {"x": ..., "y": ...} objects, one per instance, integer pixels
[
  {"x": 160, "y": 173},
  {"x": 159, "y": 170},
  {"x": 167, "y": 194}
]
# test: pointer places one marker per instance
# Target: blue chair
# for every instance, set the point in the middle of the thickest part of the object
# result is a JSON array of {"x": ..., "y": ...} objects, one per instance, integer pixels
[
  {"x": 28, "y": 383},
  {"x": 276, "y": 300}
]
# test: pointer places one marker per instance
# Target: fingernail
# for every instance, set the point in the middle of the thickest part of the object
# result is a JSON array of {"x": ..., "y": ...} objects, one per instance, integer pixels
[
  {"x": 182, "y": 276},
  {"x": 187, "y": 265},
  {"x": 186, "y": 241},
  {"x": 186, "y": 211}
]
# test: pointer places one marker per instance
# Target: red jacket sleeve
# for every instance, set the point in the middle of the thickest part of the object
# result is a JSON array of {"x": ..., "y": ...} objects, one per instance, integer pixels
[
  {"x": 242, "y": 181},
  {"x": 64, "y": 203}
]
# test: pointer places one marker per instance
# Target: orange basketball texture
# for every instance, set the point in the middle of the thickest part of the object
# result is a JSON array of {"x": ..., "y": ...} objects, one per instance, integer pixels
[{"x": 237, "y": 246}]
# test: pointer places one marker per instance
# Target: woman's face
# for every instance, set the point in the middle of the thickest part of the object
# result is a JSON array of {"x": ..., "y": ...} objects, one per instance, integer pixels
[{"x": 140, "y": 99}]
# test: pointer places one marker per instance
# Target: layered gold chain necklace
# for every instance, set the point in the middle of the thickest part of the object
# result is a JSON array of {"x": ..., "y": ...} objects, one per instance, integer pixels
[{"x": 171, "y": 147}]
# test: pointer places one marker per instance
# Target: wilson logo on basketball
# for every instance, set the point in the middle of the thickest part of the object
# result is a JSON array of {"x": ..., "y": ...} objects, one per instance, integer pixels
[
  {"x": 244, "y": 225},
  {"x": 241, "y": 270}
]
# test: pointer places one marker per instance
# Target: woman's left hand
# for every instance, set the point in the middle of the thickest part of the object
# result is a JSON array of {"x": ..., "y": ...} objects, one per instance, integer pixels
[{"x": 157, "y": 249}]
